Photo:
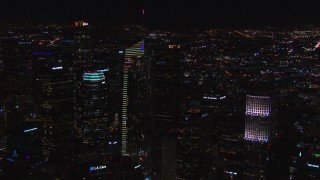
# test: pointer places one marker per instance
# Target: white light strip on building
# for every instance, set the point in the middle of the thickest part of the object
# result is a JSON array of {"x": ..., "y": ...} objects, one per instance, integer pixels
[{"x": 136, "y": 50}]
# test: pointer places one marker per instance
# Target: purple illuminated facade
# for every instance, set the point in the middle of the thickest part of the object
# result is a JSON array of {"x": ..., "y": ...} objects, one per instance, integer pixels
[{"x": 258, "y": 118}]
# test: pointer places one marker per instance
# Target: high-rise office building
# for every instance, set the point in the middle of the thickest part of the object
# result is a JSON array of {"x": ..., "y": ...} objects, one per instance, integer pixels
[
  {"x": 189, "y": 147},
  {"x": 80, "y": 59},
  {"x": 137, "y": 127},
  {"x": 53, "y": 94},
  {"x": 258, "y": 118},
  {"x": 131, "y": 53},
  {"x": 94, "y": 117},
  {"x": 166, "y": 72},
  {"x": 166, "y": 94}
]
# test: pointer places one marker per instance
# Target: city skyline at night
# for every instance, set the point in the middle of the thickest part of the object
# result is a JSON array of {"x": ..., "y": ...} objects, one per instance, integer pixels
[{"x": 159, "y": 90}]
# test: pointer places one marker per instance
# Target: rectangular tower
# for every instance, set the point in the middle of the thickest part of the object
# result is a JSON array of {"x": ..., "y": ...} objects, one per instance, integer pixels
[
  {"x": 94, "y": 119},
  {"x": 131, "y": 54},
  {"x": 258, "y": 118}
]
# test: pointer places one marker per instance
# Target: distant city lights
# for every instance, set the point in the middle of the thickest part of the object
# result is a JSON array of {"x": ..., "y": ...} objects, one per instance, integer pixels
[
  {"x": 29, "y": 130},
  {"x": 95, "y": 168},
  {"x": 42, "y": 53},
  {"x": 232, "y": 173},
  {"x": 113, "y": 142},
  {"x": 313, "y": 165},
  {"x": 103, "y": 70},
  {"x": 57, "y": 68},
  {"x": 80, "y": 24},
  {"x": 214, "y": 98}
]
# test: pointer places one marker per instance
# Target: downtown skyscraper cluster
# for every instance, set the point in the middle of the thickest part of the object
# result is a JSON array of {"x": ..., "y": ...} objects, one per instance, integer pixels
[{"x": 130, "y": 103}]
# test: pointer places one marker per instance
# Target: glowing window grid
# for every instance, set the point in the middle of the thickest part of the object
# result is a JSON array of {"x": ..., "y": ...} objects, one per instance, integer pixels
[{"x": 135, "y": 51}]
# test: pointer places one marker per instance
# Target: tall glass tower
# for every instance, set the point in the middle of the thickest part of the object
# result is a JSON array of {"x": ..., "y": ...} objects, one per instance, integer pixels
[
  {"x": 137, "y": 50},
  {"x": 258, "y": 118},
  {"x": 94, "y": 116}
]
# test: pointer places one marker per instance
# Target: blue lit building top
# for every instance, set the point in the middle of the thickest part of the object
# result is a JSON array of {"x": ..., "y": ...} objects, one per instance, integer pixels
[{"x": 96, "y": 76}]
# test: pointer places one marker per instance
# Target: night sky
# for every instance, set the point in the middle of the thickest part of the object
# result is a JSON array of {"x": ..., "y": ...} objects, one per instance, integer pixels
[{"x": 164, "y": 12}]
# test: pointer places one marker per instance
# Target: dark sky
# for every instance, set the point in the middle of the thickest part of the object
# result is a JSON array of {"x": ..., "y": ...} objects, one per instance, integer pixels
[{"x": 164, "y": 12}]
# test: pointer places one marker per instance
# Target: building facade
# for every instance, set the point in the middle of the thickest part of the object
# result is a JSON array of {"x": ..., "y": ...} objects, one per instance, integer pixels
[
  {"x": 94, "y": 117},
  {"x": 258, "y": 118}
]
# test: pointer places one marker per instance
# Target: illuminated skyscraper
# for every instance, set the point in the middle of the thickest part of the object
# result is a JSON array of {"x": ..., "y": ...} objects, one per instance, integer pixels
[
  {"x": 94, "y": 118},
  {"x": 258, "y": 118},
  {"x": 132, "y": 52}
]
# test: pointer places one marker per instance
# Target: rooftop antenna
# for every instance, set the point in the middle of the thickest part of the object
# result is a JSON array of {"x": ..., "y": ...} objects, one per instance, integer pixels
[{"x": 143, "y": 22}]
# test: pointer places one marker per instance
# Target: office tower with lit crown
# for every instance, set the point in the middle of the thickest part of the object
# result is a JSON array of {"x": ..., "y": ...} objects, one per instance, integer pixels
[
  {"x": 139, "y": 93},
  {"x": 129, "y": 55},
  {"x": 93, "y": 121},
  {"x": 258, "y": 118},
  {"x": 136, "y": 122}
]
